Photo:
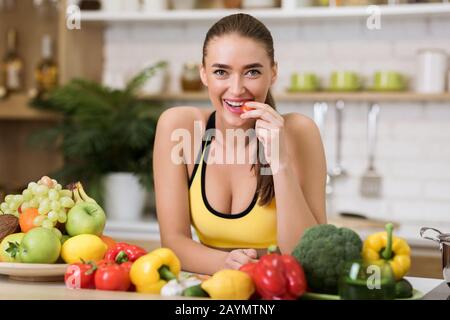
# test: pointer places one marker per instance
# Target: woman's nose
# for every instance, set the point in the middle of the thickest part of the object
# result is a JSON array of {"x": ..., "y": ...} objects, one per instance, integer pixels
[{"x": 237, "y": 86}]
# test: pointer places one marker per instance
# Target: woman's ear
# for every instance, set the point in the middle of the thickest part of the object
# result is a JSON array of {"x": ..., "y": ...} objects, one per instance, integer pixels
[
  {"x": 274, "y": 73},
  {"x": 203, "y": 75}
]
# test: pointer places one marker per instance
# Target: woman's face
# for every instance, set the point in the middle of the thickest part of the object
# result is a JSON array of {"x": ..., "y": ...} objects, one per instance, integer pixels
[{"x": 236, "y": 69}]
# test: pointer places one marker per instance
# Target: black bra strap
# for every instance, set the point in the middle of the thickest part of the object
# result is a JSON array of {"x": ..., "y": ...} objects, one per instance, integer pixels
[
  {"x": 211, "y": 121},
  {"x": 211, "y": 124}
]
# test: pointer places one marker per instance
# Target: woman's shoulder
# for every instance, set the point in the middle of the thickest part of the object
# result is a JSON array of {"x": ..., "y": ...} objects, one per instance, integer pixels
[
  {"x": 183, "y": 117},
  {"x": 295, "y": 123},
  {"x": 302, "y": 132}
]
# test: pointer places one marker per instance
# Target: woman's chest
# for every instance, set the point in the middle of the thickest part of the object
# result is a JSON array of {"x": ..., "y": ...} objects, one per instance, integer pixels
[{"x": 229, "y": 188}]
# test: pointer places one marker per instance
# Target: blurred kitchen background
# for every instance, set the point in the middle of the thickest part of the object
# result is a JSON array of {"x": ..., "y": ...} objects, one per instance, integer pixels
[{"x": 374, "y": 75}]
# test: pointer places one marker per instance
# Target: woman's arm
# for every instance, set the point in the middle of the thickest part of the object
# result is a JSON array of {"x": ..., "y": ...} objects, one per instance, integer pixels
[
  {"x": 298, "y": 167},
  {"x": 300, "y": 185},
  {"x": 172, "y": 200}
]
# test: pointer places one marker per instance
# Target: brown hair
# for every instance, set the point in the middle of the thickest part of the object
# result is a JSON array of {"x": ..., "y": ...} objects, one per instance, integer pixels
[{"x": 249, "y": 27}]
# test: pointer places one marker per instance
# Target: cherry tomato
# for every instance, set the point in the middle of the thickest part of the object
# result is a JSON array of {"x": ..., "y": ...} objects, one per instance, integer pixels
[
  {"x": 112, "y": 277},
  {"x": 80, "y": 276},
  {"x": 246, "y": 108}
]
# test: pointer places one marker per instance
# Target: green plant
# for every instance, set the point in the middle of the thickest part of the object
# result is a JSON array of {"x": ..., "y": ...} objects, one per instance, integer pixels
[{"x": 103, "y": 130}]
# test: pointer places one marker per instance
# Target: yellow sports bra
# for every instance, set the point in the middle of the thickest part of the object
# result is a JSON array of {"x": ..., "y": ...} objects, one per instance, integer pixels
[{"x": 255, "y": 227}]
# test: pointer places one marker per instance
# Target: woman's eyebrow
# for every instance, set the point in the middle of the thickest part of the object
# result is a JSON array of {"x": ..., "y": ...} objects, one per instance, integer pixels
[{"x": 248, "y": 66}]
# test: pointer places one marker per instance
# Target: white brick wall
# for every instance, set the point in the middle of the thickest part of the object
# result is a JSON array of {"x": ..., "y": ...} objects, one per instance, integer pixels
[{"x": 413, "y": 148}]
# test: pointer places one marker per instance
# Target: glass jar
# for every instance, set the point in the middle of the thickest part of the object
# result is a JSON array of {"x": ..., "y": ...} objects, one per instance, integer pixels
[{"x": 190, "y": 77}]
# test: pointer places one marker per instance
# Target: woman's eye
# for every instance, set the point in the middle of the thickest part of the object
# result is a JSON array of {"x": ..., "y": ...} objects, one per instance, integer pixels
[
  {"x": 220, "y": 72},
  {"x": 253, "y": 73}
]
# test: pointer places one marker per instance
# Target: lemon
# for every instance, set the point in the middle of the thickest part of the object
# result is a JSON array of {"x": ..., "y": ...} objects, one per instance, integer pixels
[
  {"x": 229, "y": 285},
  {"x": 87, "y": 247}
]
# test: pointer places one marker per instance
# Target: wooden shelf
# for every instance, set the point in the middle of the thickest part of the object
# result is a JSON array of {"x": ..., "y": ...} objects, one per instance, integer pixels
[
  {"x": 17, "y": 107},
  {"x": 400, "y": 10},
  {"x": 320, "y": 97}
]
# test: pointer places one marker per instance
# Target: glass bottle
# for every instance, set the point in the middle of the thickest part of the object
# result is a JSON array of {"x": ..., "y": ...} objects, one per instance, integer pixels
[
  {"x": 12, "y": 65},
  {"x": 46, "y": 73},
  {"x": 190, "y": 77}
]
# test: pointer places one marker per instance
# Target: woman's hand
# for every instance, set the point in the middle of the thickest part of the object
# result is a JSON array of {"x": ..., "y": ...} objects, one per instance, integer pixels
[
  {"x": 269, "y": 127},
  {"x": 236, "y": 258}
]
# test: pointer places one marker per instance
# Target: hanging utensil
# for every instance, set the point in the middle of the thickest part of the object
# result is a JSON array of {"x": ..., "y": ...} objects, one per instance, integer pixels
[
  {"x": 338, "y": 170},
  {"x": 371, "y": 181},
  {"x": 320, "y": 111}
]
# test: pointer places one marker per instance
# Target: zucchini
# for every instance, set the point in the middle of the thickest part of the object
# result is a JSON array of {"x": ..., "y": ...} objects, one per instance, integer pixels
[{"x": 195, "y": 291}]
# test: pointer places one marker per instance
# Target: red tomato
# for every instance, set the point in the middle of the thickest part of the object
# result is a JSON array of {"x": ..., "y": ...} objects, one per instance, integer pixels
[
  {"x": 112, "y": 277},
  {"x": 127, "y": 265},
  {"x": 80, "y": 276}
]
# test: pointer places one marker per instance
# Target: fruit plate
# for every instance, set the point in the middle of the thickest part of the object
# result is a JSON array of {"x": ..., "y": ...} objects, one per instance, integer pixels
[
  {"x": 417, "y": 295},
  {"x": 33, "y": 271}
]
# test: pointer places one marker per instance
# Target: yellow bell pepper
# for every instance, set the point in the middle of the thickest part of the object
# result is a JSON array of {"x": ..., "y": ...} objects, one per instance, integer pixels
[
  {"x": 151, "y": 272},
  {"x": 384, "y": 246},
  {"x": 229, "y": 285}
]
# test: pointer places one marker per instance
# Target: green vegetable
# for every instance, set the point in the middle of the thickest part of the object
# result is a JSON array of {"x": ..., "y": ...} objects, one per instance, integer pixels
[
  {"x": 403, "y": 289},
  {"x": 323, "y": 251},
  {"x": 195, "y": 291}
]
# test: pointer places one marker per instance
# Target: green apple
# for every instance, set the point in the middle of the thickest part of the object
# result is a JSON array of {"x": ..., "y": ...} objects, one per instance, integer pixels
[
  {"x": 40, "y": 245},
  {"x": 9, "y": 247},
  {"x": 85, "y": 218}
]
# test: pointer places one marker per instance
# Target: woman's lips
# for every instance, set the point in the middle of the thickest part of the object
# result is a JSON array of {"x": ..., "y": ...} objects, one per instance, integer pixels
[{"x": 235, "y": 105}]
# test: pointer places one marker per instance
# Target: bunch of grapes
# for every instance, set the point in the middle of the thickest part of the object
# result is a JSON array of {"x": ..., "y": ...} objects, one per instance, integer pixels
[{"x": 47, "y": 196}]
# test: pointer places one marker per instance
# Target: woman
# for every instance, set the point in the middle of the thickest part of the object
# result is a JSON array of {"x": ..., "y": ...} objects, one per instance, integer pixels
[{"x": 235, "y": 223}]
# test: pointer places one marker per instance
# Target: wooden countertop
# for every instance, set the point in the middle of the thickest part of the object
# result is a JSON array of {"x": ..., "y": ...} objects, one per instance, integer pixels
[
  {"x": 18, "y": 290},
  {"x": 21, "y": 290}
]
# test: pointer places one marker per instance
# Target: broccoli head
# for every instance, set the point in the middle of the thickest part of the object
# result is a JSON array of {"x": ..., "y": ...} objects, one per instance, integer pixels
[{"x": 323, "y": 251}]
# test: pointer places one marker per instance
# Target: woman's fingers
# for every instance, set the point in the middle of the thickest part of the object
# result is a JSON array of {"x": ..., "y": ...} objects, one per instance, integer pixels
[
  {"x": 264, "y": 115},
  {"x": 261, "y": 108},
  {"x": 239, "y": 257},
  {"x": 233, "y": 265},
  {"x": 251, "y": 253}
]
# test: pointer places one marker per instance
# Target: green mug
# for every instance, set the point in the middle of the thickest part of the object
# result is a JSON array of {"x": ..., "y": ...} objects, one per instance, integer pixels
[
  {"x": 344, "y": 81},
  {"x": 304, "y": 81},
  {"x": 388, "y": 80}
]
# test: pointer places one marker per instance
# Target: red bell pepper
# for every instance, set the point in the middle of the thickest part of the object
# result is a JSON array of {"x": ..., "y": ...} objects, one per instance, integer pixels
[
  {"x": 123, "y": 252},
  {"x": 277, "y": 277}
]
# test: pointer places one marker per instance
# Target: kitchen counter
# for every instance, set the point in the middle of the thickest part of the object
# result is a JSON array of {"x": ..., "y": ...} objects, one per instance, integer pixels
[{"x": 18, "y": 290}]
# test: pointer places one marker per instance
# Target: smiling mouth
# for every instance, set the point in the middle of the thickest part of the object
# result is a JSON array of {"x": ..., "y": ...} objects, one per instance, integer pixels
[{"x": 236, "y": 104}]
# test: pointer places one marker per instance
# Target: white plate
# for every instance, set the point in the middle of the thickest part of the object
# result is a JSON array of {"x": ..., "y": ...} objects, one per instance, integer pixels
[{"x": 33, "y": 271}]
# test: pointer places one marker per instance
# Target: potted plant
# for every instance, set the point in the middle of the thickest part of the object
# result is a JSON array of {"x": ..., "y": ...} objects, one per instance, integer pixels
[{"x": 106, "y": 137}]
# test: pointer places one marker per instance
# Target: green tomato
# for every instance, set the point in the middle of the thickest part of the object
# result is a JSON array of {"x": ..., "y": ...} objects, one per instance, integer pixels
[
  {"x": 9, "y": 247},
  {"x": 40, "y": 245}
]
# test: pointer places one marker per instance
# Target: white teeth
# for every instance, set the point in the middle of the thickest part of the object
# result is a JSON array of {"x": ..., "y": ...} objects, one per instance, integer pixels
[{"x": 234, "y": 104}]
